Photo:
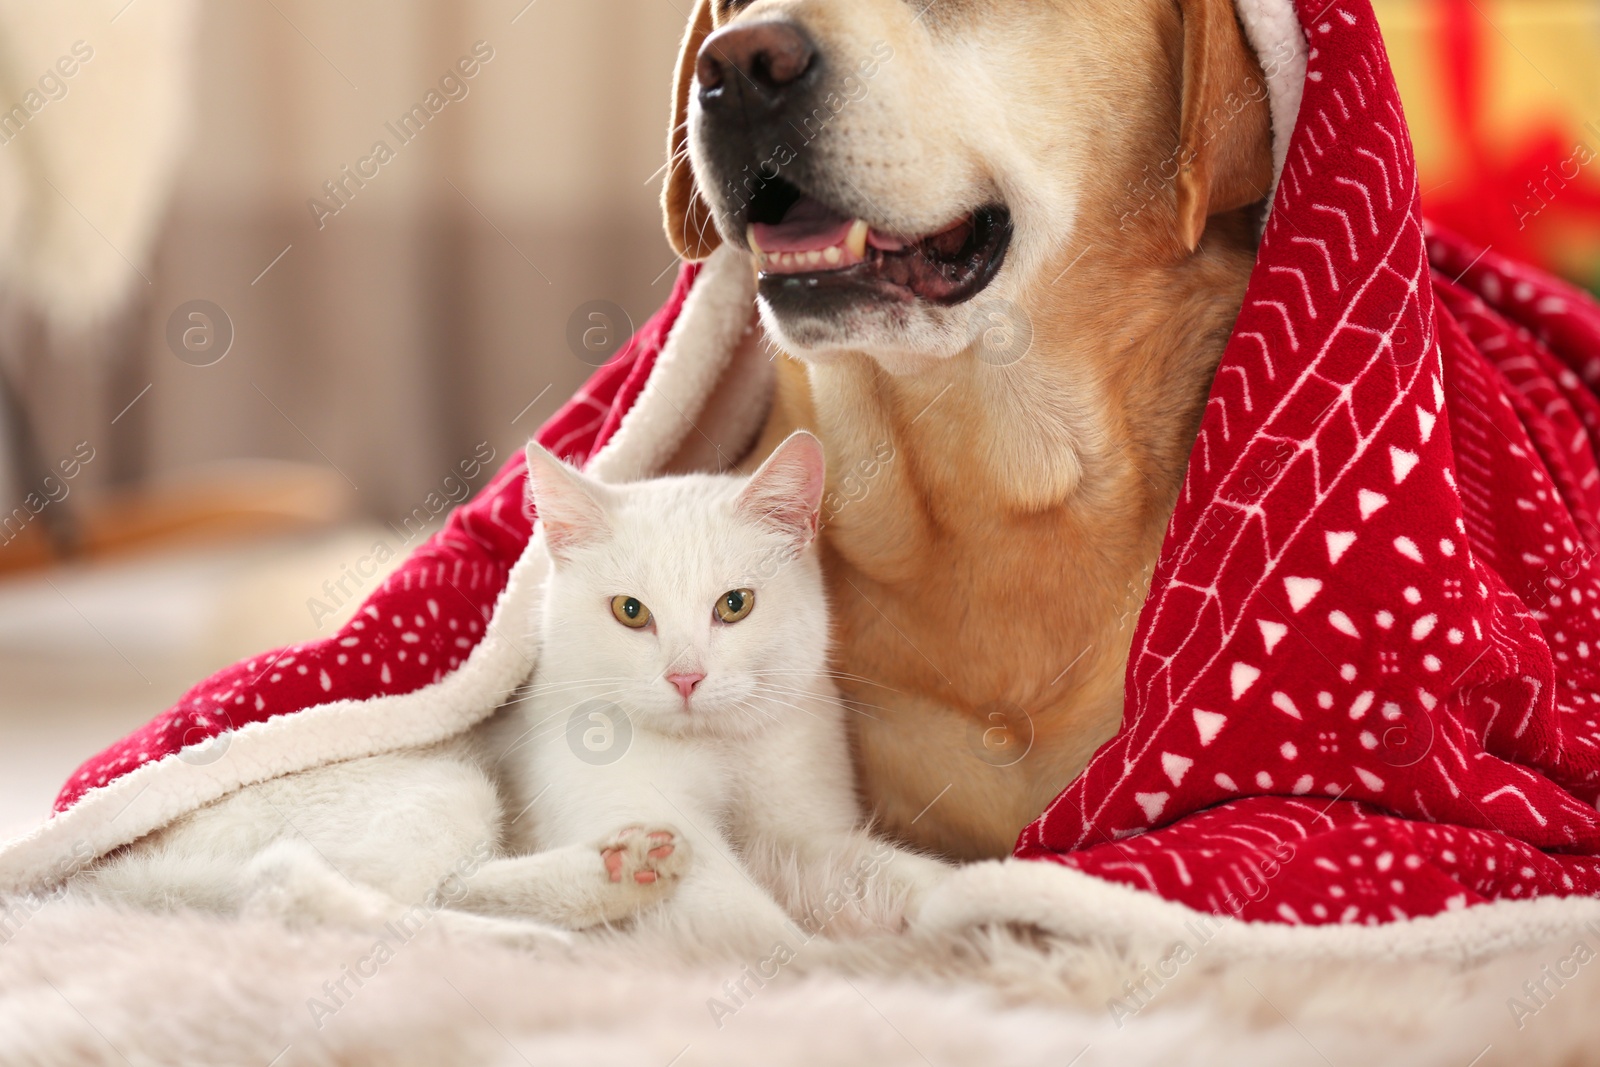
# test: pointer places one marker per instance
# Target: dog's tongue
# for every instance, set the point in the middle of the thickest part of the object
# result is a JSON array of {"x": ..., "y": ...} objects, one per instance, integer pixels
[
  {"x": 808, "y": 226},
  {"x": 812, "y": 226},
  {"x": 812, "y": 240}
]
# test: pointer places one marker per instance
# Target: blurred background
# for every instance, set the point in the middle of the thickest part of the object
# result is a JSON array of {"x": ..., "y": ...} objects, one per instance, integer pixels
[
  {"x": 278, "y": 344},
  {"x": 277, "y": 277}
]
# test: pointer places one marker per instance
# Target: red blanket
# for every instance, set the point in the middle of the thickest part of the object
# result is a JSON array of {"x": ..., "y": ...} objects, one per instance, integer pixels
[{"x": 1362, "y": 688}]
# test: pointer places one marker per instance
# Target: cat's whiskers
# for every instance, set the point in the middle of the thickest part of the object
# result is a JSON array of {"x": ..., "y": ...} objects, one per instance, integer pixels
[
  {"x": 552, "y": 722},
  {"x": 774, "y": 697},
  {"x": 848, "y": 703},
  {"x": 541, "y": 688},
  {"x": 754, "y": 708},
  {"x": 569, "y": 681},
  {"x": 794, "y": 691},
  {"x": 840, "y": 676}
]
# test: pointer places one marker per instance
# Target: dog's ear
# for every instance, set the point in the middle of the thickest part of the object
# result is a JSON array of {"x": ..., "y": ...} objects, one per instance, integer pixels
[
  {"x": 1225, "y": 128},
  {"x": 690, "y": 229}
]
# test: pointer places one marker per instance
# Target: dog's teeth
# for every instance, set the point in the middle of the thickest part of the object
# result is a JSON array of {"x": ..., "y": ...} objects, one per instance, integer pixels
[
  {"x": 857, "y": 241},
  {"x": 788, "y": 260},
  {"x": 750, "y": 236},
  {"x": 832, "y": 255},
  {"x": 813, "y": 258}
]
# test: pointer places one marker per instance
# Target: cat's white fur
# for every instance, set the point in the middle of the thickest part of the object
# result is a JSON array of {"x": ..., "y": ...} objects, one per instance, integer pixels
[
  {"x": 750, "y": 772},
  {"x": 603, "y": 793},
  {"x": 388, "y": 838}
]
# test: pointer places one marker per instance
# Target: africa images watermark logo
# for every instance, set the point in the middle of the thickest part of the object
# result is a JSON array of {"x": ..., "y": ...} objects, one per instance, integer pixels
[
  {"x": 353, "y": 577},
  {"x": 742, "y": 188},
  {"x": 53, "y": 488},
  {"x": 597, "y": 330},
  {"x": 599, "y": 732},
  {"x": 52, "y": 86},
  {"x": 454, "y": 86},
  {"x": 199, "y": 332},
  {"x": 339, "y": 991}
]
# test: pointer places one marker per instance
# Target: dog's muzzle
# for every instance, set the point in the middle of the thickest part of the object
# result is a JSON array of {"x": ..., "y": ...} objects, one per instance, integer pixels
[{"x": 759, "y": 84}]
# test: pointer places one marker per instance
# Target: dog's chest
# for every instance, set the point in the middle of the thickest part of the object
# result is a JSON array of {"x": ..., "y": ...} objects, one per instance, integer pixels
[
  {"x": 986, "y": 682},
  {"x": 965, "y": 780},
  {"x": 983, "y": 602}
]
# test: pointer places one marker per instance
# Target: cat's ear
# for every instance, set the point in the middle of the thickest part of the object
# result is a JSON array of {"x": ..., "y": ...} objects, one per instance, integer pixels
[
  {"x": 786, "y": 493},
  {"x": 568, "y": 504}
]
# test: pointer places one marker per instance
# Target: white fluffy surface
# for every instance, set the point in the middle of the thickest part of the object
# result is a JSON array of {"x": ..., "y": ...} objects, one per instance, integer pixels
[{"x": 86, "y": 984}]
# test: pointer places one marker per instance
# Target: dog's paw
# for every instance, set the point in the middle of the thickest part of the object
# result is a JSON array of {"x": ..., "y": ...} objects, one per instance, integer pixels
[{"x": 645, "y": 856}]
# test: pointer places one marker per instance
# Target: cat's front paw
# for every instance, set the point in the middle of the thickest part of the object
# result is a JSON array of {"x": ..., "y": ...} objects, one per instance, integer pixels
[{"x": 645, "y": 856}]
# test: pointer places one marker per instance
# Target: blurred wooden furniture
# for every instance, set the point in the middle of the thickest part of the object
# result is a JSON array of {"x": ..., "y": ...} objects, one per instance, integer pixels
[{"x": 225, "y": 501}]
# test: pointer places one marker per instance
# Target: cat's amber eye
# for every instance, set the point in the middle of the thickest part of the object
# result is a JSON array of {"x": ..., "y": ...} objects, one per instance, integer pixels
[
  {"x": 735, "y": 604},
  {"x": 630, "y": 612}
]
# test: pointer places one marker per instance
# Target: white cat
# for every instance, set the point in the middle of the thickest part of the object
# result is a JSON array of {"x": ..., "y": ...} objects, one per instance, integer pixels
[
  {"x": 679, "y": 754},
  {"x": 682, "y": 701}
]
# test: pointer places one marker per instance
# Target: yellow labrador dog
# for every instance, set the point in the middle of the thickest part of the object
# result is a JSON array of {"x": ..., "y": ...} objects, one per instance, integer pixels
[{"x": 1001, "y": 246}]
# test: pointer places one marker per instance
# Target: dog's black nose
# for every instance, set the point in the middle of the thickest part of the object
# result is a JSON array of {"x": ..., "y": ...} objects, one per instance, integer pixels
[{"x": 765, "y": 58}]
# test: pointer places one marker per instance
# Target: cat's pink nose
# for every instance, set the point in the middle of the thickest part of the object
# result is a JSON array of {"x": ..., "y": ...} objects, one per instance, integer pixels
[{"x": 686, "y": 682}]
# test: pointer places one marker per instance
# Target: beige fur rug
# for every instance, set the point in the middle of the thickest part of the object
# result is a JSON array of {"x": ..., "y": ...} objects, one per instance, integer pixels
[{"x": 90, "y": 984}]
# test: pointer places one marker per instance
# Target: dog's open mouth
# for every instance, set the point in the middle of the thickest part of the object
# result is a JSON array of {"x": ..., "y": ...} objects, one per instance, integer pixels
[{"x": 800, "y": 242}]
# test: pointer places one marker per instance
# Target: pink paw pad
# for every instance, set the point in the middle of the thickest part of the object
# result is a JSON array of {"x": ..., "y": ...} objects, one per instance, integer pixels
[{"x": 642, "y": 856}]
